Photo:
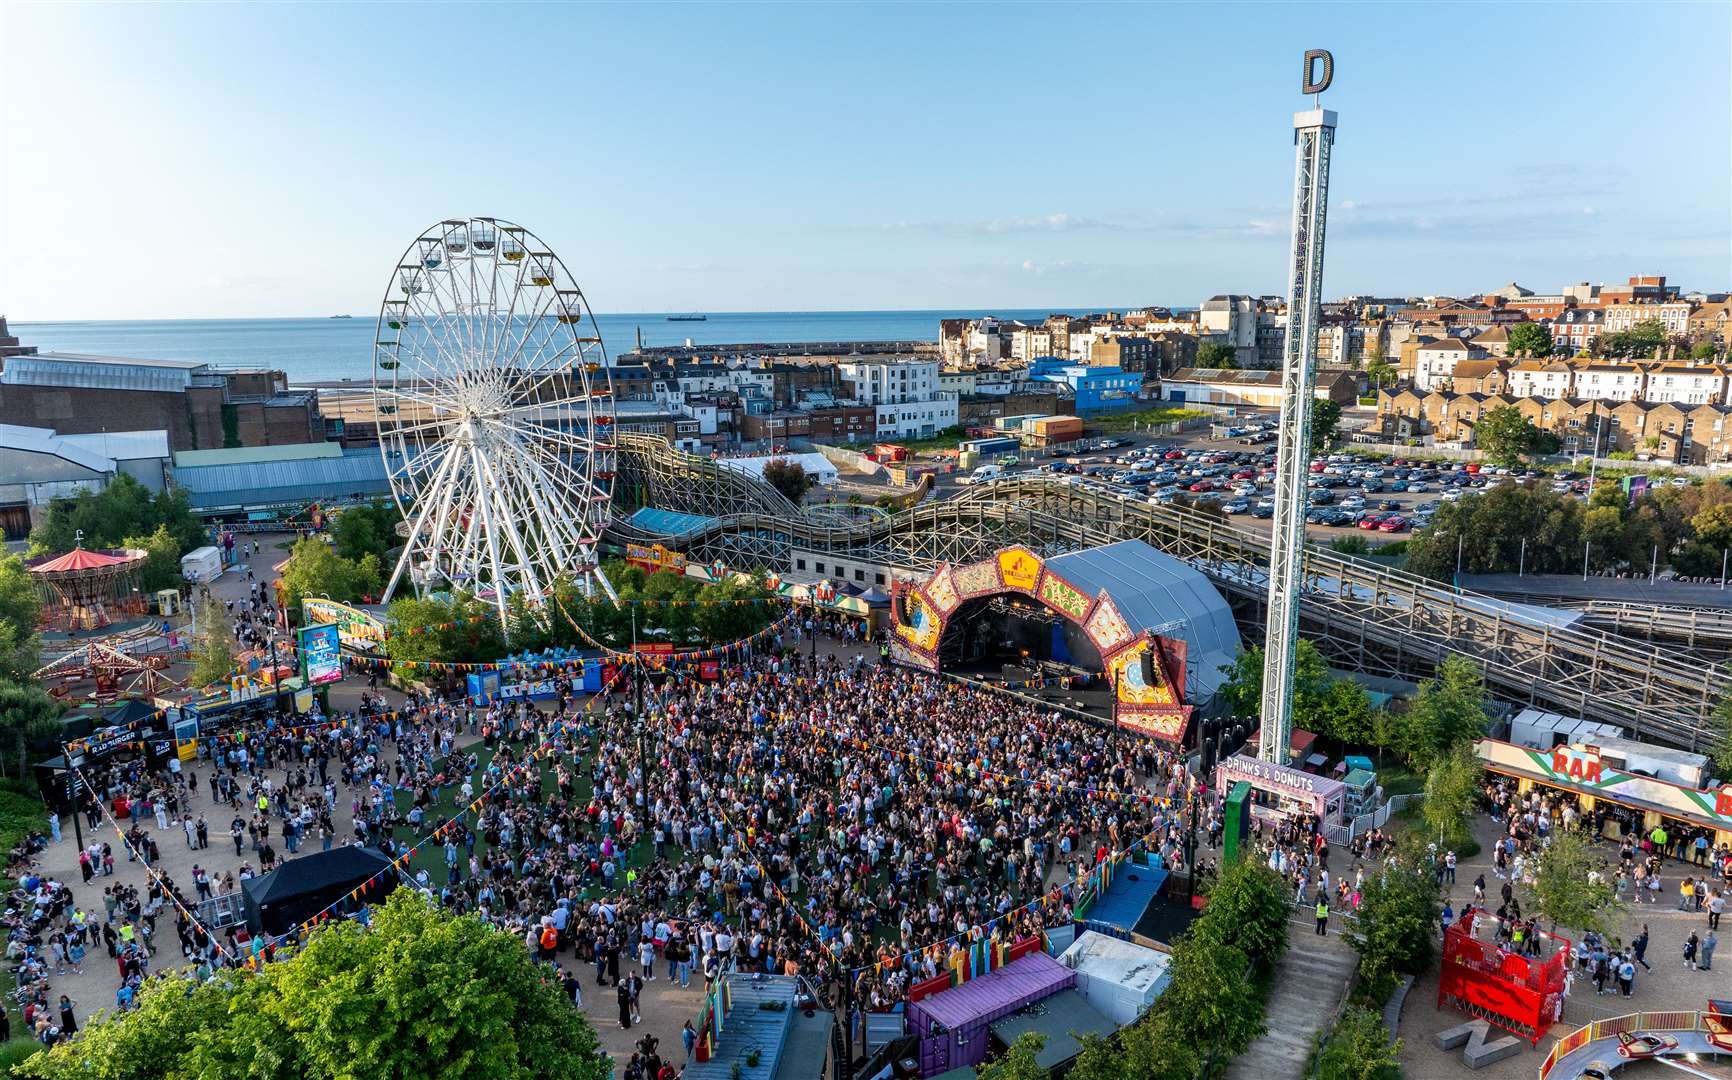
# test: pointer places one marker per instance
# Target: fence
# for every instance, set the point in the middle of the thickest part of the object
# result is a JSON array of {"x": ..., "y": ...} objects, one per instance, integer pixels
[
  {"x": 1608, "y": 1028},
  {"x": 1376, "y": 819},
  {"x": 221, "y": 911}
]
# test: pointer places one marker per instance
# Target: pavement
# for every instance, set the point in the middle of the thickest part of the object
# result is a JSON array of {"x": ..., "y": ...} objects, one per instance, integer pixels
[{"x": 1669, "y": 985}]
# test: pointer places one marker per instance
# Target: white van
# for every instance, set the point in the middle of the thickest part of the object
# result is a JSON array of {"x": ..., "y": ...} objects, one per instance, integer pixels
[{"x": 983, "y": 474}]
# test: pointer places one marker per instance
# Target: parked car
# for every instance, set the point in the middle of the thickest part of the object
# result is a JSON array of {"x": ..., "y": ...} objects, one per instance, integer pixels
[
  {"x": 1393, "y": 523},
  {"x": 1237, "y": 506},
  {"x": 1353, "y": 502},
  {"x": 1370, "y": 520}
]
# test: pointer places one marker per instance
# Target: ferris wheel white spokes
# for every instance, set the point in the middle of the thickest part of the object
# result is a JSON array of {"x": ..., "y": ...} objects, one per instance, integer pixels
[{"x": 495, "y": 414}]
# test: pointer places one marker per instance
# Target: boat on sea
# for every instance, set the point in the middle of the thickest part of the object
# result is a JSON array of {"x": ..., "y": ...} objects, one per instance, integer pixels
[
  {"x": 692, "y": 317},
  {"x": 342, "y": 316}
]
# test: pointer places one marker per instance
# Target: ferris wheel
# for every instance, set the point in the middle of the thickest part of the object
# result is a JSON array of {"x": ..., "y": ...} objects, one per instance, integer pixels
[{"x": 495, "y": 412}]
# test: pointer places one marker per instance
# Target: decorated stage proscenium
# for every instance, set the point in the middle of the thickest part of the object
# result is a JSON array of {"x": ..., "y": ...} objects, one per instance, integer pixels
[{"x": 1148, "y": 669}]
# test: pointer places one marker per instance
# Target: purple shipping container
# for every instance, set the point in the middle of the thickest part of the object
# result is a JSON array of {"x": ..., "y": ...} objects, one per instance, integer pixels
[{"x": 953, "y": 1025}]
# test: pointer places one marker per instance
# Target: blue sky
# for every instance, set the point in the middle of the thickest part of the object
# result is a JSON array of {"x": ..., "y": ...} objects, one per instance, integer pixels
[{"x": 250, "y": 159}]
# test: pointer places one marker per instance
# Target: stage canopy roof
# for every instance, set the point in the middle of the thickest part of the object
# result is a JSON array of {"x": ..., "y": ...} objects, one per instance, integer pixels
[{"x": 1154, "y": 591}]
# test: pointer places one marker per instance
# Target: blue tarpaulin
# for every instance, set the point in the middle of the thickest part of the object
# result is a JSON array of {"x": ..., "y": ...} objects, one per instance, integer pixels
[{"x": 1121, "y": 907}]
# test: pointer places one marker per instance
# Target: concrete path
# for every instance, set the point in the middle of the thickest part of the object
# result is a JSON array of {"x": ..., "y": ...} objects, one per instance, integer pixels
[{"x": 1309, "y": 983}]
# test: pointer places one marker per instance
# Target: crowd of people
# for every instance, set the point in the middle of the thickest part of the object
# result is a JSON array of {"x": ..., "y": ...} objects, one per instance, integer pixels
[{"x": 829, "y": 817}]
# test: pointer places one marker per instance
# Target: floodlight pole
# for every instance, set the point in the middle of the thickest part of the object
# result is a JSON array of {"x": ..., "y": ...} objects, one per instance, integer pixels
[{"x": 1313, "y": 137}]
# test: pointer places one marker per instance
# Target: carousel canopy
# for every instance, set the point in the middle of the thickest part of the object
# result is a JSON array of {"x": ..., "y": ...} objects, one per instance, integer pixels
[{"x": 79, "y": 559}]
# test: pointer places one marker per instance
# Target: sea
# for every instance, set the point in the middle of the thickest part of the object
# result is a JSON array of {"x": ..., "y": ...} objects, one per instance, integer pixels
[{"x": 335, "y": 349}]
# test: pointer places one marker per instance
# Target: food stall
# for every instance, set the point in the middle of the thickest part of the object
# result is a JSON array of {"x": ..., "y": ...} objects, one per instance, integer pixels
[{"x": 1280, "y": 791}]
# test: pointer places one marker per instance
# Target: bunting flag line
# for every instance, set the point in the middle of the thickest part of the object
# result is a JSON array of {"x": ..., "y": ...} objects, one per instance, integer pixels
[
  {"x": 400, "y": 862},
  {"x": 163, "y": 885}
]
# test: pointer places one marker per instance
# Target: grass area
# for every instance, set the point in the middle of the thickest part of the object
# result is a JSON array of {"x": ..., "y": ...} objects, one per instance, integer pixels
[
  {"x": 944, "y": 440},
  {"x": 1128, "y": 421},
  {"x": 19, "y": 1047},
  {"x": 19, "y": 814},
  {"x": 431, "y": 856}
]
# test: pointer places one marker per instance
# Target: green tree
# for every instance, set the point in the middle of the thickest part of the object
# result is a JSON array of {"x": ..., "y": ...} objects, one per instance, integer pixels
[
  {"x": 1452, "y": 787},
  {"x": 1216, "y": 354},
  {"x": 162, "y": 559},
  {"x": 1645, "y": 339},
  {"x": 105, "y": 518},
  {"x": 213, "y": 647},
  {"x": 1506, "y": 436},
  {"x": 1378, "y": 372},
  {"x": 1019, "y": 1061},
  {"x": 421, "y": 993},
  {"x": 1721, "y": 748},
  {"x": 1448, "y": 710},
  {"x": 1573, "y": 886},
  {"x": 1243, "y": 689},
  {"x": 1342, "y": 712},
  {"x": 1325, "y": 423},
  {"x": 1097, "y": 1059},
  {"x": 1247, "y": 911},
  {"x": 1704, "y": 350},
  {"x": 1359, "y": 1049},
  {"x": 1397, "y": 923},
  {"x": 1530, "y": 339},
  {"x": 458, "y": 630},
  {"x": 316, "y": 570},
  {"x": 366, "y": 530},
  {"x": 20, "y": 611},
  {"x": 27, "y": 713},
  {"x": 788, "y": 477}
]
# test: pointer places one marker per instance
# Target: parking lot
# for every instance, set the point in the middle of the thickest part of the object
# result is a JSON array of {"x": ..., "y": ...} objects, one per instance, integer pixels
[{"x": 1380, "y": 497}]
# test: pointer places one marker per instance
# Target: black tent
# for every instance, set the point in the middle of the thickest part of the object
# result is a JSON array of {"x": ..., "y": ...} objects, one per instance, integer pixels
[{"x": 301, "y": 888}]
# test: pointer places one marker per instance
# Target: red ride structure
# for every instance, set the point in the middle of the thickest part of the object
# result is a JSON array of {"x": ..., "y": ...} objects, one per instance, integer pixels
[
  {"x": 1521, "y": 994},
  {"x": 88, "y": 590}
]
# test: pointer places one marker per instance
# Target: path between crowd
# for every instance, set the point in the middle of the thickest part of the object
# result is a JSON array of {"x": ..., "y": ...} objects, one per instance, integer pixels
[{"x": 1308, "y": 984}]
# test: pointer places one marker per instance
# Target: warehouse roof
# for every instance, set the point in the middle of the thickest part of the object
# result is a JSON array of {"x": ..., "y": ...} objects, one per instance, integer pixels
[{"x": 264, "y": 484}]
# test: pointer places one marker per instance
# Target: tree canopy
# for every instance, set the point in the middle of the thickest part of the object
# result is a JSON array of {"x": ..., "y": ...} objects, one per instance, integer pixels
[
  {"x": 1508, "y": 438},
  {"x": 1574, "y": 885},
  {"x": 315, "y": 569},
  {"x": 1359, "y": 1049},
  {"x": 1507, "y": 528},
  {"x": 421, "y": 993},
  {"x": 1216, "y": 354},
  {"x": 788, "y": 477},
  {"x": 213, "y": 647},
  {"x": 1325, "y": 423},
  {"x": 451, "y": 629},
  {"x": 20, "y": 609},
  {"x": 1530, "y": 339},
  {"x": 1448, "y": 711},
  {"x": 365, "y": 530},
  {"x": 124, "y": 508},
  {"x": 1396, "y": 930},
  {"x": 1644, "y": 339}
]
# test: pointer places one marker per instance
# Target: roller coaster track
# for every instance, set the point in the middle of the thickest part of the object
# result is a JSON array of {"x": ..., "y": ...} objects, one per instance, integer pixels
[{"x": 1369, "y": 616}]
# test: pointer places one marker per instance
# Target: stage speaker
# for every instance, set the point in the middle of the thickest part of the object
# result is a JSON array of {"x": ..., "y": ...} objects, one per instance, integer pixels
[
  {"x": 1014, "y": 674},
  {"x": 1150, "y": 678},
  {"x": 899, "y": 607}
]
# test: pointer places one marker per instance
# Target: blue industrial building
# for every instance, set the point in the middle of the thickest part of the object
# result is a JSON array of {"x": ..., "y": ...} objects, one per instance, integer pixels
[{"x": 1096, "y": 389}]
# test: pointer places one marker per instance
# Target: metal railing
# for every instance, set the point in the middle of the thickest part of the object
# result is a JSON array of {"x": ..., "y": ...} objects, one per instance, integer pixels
[
  {"x": 1379, "y": 617},
  {"x": 1610, "y": 1027}
]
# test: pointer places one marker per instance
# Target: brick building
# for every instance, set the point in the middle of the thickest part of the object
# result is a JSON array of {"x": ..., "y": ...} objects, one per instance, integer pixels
[{"x": 200, "y": 407}]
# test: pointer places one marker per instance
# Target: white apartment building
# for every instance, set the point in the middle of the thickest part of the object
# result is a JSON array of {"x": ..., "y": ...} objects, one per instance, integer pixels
[
  {"x": 1434, "y": 362},
  {"x": 1030, "y": 343},
  {"x": 1610, "y": 382},
  {"x": 1685, "y": 385},
  {"x": 1674, "y": 316},
  {"x": 917, "y": 419},
  {"x": 1551, "y": 380},
  {"x": 891, "y": 382}
]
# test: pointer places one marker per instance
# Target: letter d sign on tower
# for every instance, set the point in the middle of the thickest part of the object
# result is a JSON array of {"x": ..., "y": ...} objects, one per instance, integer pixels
[{"x": 1313, "y": 137}]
